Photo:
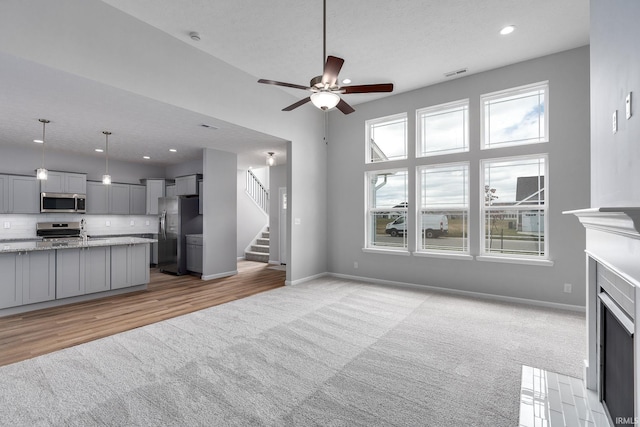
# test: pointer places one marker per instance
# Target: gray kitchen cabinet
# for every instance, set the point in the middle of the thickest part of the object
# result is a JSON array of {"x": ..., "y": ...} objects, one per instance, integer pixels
[
  {"x": 119, "y": 199},
  {"x": 81, "y": 271},
  {"x": 4, "y": 193},
  {"x": 194, "y": 253},
  {"x": 201, "y": 197},
  {"x": 129, "y": 265},
  {"x": 138, "y": 200},
  {"x": 97, "y": 198},
  {"x": 170, "y": 190},
  {"x": 27, "y": 278},
  {"x": 187, "y": 185},
  {"x": 155, "y": 189},
  {"x": 64, "y": 182},
  {"x": 24, "y": 194}
]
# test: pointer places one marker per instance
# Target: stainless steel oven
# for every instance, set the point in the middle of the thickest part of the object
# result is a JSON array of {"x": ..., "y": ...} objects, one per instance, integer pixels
[{"x": 63, "y": 202}]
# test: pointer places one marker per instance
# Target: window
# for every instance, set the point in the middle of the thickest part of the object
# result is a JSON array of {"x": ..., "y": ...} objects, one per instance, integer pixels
[
  {"x": 514, "y": 207},
  {"x": 443, "y": 129},
  {"x": 387, "y": 209},
  {"x": 444, "y": 208},
  {"x": 515, "y": 117},
  {"x": 387, "y": 138}
]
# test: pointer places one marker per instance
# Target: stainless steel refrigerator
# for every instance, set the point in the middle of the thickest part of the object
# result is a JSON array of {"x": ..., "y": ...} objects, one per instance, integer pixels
[{"x": 178, "y": 217}]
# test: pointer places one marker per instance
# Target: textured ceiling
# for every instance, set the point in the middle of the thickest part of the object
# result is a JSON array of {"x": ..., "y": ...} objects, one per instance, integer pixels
[{"x": 411, "y": 43}]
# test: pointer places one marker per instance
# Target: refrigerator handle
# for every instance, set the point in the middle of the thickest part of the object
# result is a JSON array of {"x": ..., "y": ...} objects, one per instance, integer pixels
[{"x": 163, "y": 225}]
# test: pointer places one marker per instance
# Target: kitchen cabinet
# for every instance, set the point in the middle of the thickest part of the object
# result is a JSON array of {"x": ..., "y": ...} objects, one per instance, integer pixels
[
  {"x": 81, "y": 271},
  {"x": 138, "y": 200},
  {"x": 64, "y": 182},
  {"x": 129, "y": 265},
  {"x": 27, "y": 278},
  {"x": 119, "y": 199},
  {"x": 24, "y": 194},
  {"x": 170, "y": 190},
  {"x": 4, "y": 193},
  {"x": 194, "y": 253},
  {"x": 187, "y": 185},
  {"x": 115, "y": 199},
  {"x": 201, "y": 197},
  {"x": 155, "y": 189}
]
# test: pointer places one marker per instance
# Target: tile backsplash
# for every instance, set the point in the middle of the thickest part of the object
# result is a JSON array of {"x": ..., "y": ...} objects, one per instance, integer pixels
[{"x": 24, "y": 226}]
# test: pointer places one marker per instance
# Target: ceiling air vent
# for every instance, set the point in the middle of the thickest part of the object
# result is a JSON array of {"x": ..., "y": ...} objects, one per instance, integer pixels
[
  {"x": 204, "y": 125},
  {"x": 455, "y": 73}
]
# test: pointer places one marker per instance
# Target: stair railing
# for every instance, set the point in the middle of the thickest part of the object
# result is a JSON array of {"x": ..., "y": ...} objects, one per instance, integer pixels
[{"x": 257, "y": 191}]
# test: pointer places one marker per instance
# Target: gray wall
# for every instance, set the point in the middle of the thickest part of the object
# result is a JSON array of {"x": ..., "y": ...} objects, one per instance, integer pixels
[
  {"x": 219, "y": 227},
  {"x": 277, "y": 179},
  {"x": 615, "y": 71},
  {"x": 186, "y": 168},
  {"x": 24, "y": 161},
  {"x": 568, "y": 76}
]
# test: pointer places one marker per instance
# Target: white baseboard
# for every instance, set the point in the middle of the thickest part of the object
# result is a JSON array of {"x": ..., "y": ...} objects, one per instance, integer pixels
[
  {"x": 305, "y": 279},
  {"x": 240, "y": 258},
  {"x": 219, "y": 275},
  {"x": 516, "y": 300}
]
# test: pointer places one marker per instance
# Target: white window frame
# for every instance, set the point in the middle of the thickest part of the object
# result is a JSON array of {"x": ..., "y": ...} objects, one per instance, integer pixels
[
  {"x": 486, "y": 255},
  {"x": 434, "y": 110},
  {"x": 418, "y": 218},
  {"x": 368, "y": 246},
  {"x": 380, "y": 120},
  {"x": 544, "y": 85}
]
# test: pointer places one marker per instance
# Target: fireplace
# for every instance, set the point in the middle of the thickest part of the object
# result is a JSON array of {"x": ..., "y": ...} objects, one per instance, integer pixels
[
  {"x": 612, "y": 367},
  {"x": 616, "y": 362}
]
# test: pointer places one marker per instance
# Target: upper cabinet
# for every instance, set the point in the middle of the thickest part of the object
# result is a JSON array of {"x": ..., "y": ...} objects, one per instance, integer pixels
[
  {"x": 155, "y": 189},
  {"x": 138, "y": 200},
  {"x": 4, "y": 193},
  {"x": 187, "y": 185},
  {"x": 64, "y": 182},
  {"x": 118, "y": 199},
  {"x": 170, "y": 190},
  {"x": 22, "y": 194},
  {"x": 200, "y": 185}
]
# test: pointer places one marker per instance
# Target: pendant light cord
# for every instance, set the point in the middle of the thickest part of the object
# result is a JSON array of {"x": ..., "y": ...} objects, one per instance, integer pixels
[
  {"x": 44, "y": 123},
  {"x": 324, "y": 32}
]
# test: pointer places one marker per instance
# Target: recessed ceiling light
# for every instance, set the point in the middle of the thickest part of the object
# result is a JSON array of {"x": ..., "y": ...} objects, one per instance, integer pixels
[
  {"x": 173, "y": 150},
  {"x": 146, "y": 157},
  {"x": 39, "y": 141},
  {"x": 346, "y": 81},
  {"x": 99, "y": 150},
  {"x": 507, "y": 30}
]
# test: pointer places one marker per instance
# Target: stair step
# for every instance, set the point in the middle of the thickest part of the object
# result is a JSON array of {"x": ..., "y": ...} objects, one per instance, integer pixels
[
  {"x": 260, "y": 248},
  {"x": 265, "y": 234},
  {"x": 256, "y": 256},
  {"x": 262, "y": 241}
]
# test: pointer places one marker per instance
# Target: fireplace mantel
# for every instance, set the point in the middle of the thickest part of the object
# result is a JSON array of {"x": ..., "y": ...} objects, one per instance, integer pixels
[{"x": 618, "y": 220}]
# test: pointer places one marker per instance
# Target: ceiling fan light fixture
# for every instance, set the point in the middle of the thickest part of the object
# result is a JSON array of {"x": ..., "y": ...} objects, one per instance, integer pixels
[{"x": 325, "y": 100}]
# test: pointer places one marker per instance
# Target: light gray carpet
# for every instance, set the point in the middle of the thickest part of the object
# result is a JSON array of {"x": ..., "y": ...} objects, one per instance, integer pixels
[{"x": 327, "y": 352}]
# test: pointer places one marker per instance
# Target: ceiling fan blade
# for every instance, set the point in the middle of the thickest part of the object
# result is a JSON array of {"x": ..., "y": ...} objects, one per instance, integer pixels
[
  {"x": 297, "y": 104},
  {"x": 331, "y": 70},
  {"x": 273, "y": 82},
  {"x": 380, "y": 87},
  {"x": 344, "y": 107}
]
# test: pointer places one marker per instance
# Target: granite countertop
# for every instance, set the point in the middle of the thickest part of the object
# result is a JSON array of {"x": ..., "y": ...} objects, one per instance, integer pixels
[{"x": 8, "y": 246}]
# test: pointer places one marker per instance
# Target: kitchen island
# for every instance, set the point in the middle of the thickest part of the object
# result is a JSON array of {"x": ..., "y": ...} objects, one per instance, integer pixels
[{"x": 38, "y": 274}]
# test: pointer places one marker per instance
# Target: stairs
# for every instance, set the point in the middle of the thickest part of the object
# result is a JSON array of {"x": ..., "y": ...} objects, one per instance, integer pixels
[{"x": 259, "y": 249}]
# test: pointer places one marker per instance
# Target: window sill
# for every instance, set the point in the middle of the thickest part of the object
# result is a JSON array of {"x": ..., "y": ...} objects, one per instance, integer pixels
[
  {"x": 386, "y": 251},
  {"x": 444, "y": 255},
  {"x": 514, "y": 260}
]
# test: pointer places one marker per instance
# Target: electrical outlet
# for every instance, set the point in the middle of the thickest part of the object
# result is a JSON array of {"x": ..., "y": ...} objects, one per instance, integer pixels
[
  {"x": 7, "y": 224},
  {"x": 628, "y": 105},
  {"x": 107, "y": 223},
  {"x": 567, "y": 288},
  {"x": 355, "y": 264},
  {"x": 146, "y": 223},
  {"x": 132, "y": 223},
  {"x": 297, "y": 221},
  {"x": 614, "y": 122}
]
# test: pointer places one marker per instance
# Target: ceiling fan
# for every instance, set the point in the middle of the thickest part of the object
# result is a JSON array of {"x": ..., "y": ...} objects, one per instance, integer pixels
[{"x": 325, "y": 89}]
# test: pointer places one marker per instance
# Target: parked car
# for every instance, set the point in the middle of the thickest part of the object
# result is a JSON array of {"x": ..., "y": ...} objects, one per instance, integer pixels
[{"x": 433, "y": 225}]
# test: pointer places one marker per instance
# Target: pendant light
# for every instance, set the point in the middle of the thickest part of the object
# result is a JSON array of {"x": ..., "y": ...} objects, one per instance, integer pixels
[
  {"x": 106, "y": 178},
  {"x": 42, "y": 173},
  {"x": 271, "y": 161}
]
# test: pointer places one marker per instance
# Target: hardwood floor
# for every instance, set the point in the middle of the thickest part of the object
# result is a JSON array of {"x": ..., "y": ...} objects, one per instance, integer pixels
[{"x": 26, "y": 335}]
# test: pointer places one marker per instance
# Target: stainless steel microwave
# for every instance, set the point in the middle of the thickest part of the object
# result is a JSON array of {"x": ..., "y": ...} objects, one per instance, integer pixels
[{"x": 63, "y": 202}]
